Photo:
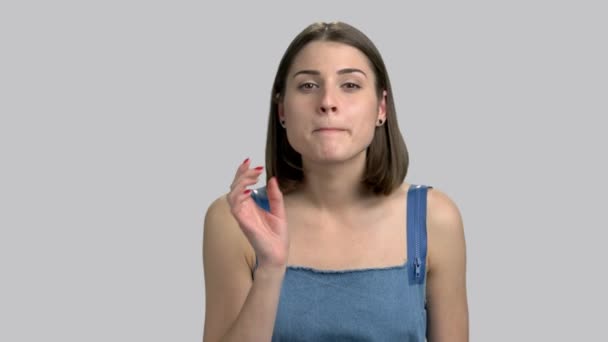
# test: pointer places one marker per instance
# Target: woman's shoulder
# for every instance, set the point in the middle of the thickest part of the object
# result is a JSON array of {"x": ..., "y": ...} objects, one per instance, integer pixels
[
  {"x": 440, "y": 206},
  {"x": 444, "y": 228},
  {"x": 219, "y": 223},
  {"x": 218, "y": 210},
  {"x": 442, "y": 211}
]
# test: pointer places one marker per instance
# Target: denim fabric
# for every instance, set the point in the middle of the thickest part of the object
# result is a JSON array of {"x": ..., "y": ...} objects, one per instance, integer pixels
[{"x": 373, "y": 304}]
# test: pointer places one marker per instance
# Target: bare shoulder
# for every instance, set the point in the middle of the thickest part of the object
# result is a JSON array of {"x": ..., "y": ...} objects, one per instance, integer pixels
[
  {"x": 218, "y": 210},
  {"x": 444, "y": 226},
  {"x": 219, "y": 224},
  {"x": 446, "y": 286},
  {"x": 442, "y": 212},
  {"x": 227, "y": 269},
  {"x": 218, "y": 215}
]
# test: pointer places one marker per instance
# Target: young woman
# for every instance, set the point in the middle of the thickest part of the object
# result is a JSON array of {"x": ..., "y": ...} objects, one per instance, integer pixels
[{"x": 336, "y": 246}]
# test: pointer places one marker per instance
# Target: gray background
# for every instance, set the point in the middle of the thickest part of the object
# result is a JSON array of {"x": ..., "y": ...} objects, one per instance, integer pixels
[{"x": 122, "y": 120}]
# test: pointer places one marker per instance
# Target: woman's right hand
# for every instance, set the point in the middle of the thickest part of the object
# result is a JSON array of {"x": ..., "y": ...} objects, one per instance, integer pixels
[{"x": 265, "y": 230}]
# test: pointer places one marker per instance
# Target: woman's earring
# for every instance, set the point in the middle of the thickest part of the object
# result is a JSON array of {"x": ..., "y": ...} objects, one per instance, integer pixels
[
  {"x": 380, "y": 122},
  {"x": 283, "y": 123}
]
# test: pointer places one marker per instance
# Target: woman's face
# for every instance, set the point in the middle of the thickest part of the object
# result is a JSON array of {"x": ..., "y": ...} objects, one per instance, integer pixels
[{"x": 330, "y": 104}]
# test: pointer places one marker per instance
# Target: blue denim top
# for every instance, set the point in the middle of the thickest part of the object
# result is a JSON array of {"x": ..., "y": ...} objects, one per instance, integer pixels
[{"x": 370, "y": 304}]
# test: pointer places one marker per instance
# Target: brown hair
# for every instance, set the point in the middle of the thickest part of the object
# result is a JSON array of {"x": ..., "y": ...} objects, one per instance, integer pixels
[{"x": 387, "y": 156}]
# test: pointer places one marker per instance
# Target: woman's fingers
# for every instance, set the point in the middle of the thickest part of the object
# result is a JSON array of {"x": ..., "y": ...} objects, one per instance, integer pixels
[
  {"x": 243, "y": 171},
  {"x": 247, "y": 179},
  {"x": 275, "y": 198},
  {"x": 238, "y": 203},
  {"x": 248, "y": 175},
  {"x": 243, "y": 178},
  {"x": 239, "y": 171}
]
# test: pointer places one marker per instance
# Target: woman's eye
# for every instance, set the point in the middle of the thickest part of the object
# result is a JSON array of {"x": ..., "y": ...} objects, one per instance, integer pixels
[
  {"x": 351, "y": 85},
  {"x": 307, "y": 85}
]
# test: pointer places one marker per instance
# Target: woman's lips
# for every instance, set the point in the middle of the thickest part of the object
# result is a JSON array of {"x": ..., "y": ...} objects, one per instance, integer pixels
[{"x": 329, "y": 129}]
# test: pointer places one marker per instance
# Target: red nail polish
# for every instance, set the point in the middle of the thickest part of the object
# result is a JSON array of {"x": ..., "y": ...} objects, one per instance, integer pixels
[
  {"x": 246, "y": 191},
  {"x": 246, "y": 160},
  {"x": 259, "y": 168}
]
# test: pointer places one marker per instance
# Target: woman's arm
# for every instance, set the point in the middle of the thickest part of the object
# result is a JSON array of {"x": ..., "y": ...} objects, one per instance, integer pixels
[
  {"x": 448, "y": 314},
  {"x": 237, "y": 307}
]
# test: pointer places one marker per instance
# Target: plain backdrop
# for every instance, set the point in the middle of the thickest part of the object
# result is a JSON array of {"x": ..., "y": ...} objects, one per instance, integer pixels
[{"x": 121, "y": 121}]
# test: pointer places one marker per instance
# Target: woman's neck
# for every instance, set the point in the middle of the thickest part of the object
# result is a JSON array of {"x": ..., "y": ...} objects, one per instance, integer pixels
[{"x": 334, "y": 187}]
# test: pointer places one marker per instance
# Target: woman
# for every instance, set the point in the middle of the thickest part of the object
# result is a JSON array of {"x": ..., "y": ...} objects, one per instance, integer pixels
[{"x": 336, "y": 246}]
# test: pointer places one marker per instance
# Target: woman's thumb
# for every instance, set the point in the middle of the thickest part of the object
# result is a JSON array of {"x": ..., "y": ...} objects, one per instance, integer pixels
[{"x": 275, "y": 198}]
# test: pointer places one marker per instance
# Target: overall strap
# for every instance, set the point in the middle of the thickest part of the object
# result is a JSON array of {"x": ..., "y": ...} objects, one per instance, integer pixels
[
  {"x": 416, "y": 232},
  {"x": 260, "y": 197}
]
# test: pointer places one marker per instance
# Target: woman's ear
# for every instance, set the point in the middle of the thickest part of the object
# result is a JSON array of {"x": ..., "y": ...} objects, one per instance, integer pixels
[
  {"x": 382, "y": 107},
  {"x": 281, "y": 114}
]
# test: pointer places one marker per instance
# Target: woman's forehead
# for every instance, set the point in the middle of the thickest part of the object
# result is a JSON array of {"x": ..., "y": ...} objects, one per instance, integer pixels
[{"x": 329, "y": 57}]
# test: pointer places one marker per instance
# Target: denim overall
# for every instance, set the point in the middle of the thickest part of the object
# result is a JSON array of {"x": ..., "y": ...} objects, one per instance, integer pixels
[{"x": 370, "y": 304}]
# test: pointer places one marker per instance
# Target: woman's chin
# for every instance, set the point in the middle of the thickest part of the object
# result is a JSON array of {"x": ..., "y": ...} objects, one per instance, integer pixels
[{"x": 333, "y": 158}]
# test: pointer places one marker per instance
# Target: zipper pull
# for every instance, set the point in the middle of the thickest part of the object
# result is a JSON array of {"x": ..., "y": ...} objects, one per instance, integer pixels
[{"x": 418, "y": 267}]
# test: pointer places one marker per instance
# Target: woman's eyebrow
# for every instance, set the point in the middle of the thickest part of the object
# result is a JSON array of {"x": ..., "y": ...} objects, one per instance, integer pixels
[
  {"x": 350, "y": 71},
  {"x": 340, "y": 72}
]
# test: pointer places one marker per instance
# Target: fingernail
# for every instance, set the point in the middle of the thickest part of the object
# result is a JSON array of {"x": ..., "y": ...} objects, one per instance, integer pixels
[
  {"x": 259, "y": 168},
  {"x": 246, "y": 160},
  {"x": 246, "y": 191}
]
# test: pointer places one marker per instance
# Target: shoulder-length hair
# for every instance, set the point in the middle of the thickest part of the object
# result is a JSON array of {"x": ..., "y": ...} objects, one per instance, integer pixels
[{"x": 387, "y": 156}]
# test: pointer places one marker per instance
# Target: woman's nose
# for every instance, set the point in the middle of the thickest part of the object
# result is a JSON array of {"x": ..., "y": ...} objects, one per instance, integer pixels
[{"x": 328, "y": 103}]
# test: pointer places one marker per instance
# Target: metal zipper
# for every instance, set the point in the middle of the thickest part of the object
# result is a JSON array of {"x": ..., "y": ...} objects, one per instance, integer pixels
[{"x": 417, "y": 261}]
